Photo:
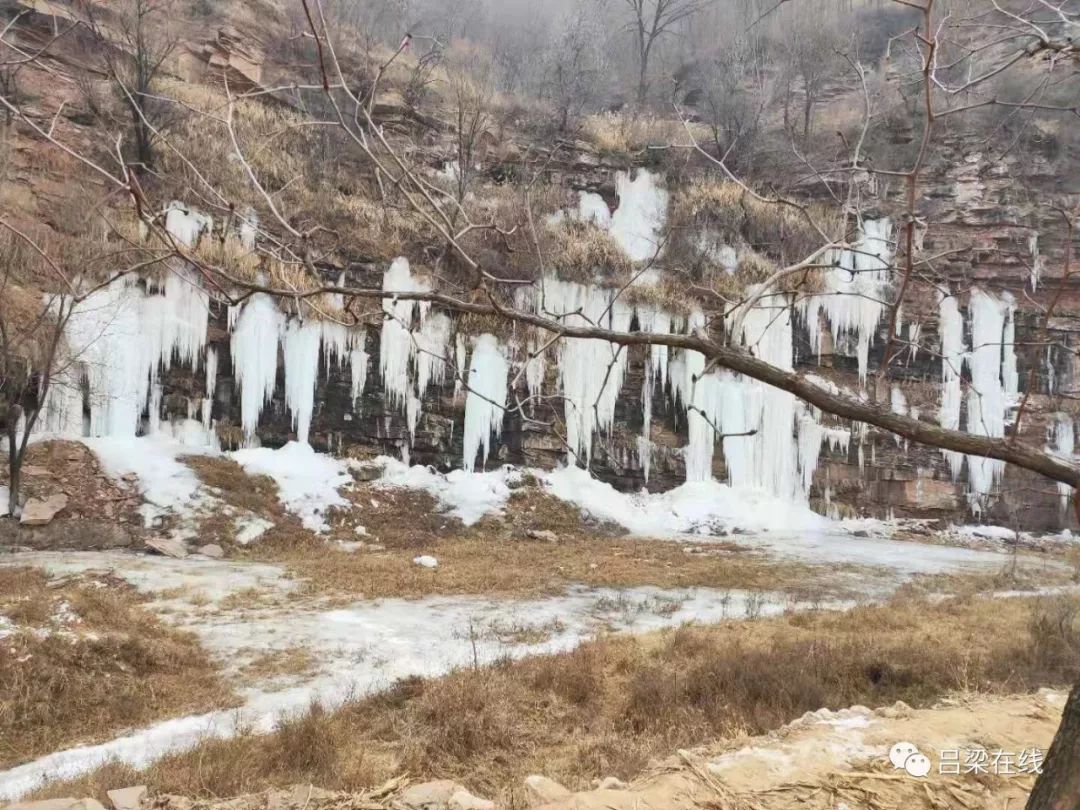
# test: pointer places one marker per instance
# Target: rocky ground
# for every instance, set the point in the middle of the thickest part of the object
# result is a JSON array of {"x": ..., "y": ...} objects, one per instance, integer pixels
[{"x": 823, "y": 760}]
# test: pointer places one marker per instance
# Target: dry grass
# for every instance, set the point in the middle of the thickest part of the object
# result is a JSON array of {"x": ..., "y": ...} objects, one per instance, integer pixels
[
  {"x": 780, "y": 232},
  {"x": 612, "y": 705},
  {"x": 631, "y": 131},
  {"x": 579, "y": 251},
  {"x": 496, "y": 556},
  {"x": 85, "y": 661},
  {"x": 243, "y": 494},
  {"x": 253, "y": 493},
  {"x": 276, "y": 665}
]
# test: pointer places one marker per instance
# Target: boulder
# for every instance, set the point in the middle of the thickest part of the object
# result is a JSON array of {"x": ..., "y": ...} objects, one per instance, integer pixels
[
  {"x": 540, "y": 790},
  {"x": 212, "y": 550},
  {"x": 434, "y": 795},
  {"x": 463, "y": 800},
  {"x": 38, "y": 512},
  {"x": 546, "y": 535},
  {"x": 367, "y": 472},
  {"x": 129, "y": 798},
  {"x": 169, "y": 546},
  {"x": 426, "y": 560}
]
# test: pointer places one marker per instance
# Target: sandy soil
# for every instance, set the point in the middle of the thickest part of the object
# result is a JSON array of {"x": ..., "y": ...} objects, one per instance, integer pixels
[{"x": 833, "y": 760}]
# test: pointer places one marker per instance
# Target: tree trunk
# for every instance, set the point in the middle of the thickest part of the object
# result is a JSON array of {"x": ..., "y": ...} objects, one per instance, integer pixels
[
  {"x": 14, "y": 463},
  {"x": 1059, "y": 786}
]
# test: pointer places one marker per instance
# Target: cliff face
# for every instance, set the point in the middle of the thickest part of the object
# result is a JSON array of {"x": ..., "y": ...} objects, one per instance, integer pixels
[{"x": 993, "y": 224}]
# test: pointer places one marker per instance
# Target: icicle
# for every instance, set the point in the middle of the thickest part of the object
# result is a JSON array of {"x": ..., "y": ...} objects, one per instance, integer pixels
[
  {"x": 1037, "y": 261},
  {"x": 486, "y": 400},
  {"x": 336, "y": 339},
  {"x": 535, "y": 368},
  {"x": 913, "y": 335},
  {"x": 186, "y": 225},
  {"x": 432, "y": 347},
  {"x": 254, "y": 348},
  {"x": 591, "y": 371},
  {"x": 1010, "y": 378},
  {"x": 986, "y": 405},
  {"x": 177, "y": 321},
  {"x": 853, "y": 299},
  {"x": 105, "y": 333},
  {"x": 301, "y": 356},
  {"x": 153, "y": 410},
  {"x": 811, "y": 435},
  {"x": 461, "y": 366},
  {"x": 951, "y": 328},
  {"x": 412, "y": 414},
  {"x": 1064, "y": 444},
  {"x": 358, "y": 365},
  {"x": 396, "y": 345}
]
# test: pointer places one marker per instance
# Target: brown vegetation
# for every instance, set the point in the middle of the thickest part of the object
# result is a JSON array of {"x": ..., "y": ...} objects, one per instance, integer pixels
[
  {"x": 82, "y": 660},
  {"x": 610, "y": 706},
  {"x": 497, "y": 556}
]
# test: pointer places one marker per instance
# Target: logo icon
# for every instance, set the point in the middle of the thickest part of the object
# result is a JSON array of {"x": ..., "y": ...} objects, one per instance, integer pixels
[{"x": 906, "y": 756}]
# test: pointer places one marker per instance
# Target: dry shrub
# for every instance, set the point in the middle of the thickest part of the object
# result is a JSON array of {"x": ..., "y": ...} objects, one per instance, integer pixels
[
  {"x": 623, "y": 132},
  {"x": 611, "y": 705},
  {"x": 66, "y": 681},
  {"x": 778, "y": 231},
  {"x": 1055, "y": 633},
  {"x": 579, "y": 251}
]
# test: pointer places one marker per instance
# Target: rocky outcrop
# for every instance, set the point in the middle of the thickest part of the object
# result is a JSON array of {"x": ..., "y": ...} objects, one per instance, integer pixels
[{"x": 41, "y": 511}]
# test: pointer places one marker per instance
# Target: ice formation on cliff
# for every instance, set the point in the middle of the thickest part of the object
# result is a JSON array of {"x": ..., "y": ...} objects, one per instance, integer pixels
[
  {"x": 486, "y": 400},
  {"x": 854, "y": 300},
  {"x": 991, "y": 362}
]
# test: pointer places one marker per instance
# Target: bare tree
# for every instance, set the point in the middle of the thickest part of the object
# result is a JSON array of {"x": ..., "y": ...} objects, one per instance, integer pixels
[
  {"x": 810, "y": 61},
  {"x": 734, "y": 99},
  {"x": 576, "y": 63},
  {"x": 30, "y": 340},
  {"x": 134, "y": 60},
  {"x": 652, "y": 20},
  {"x": 472, "y": 95}
]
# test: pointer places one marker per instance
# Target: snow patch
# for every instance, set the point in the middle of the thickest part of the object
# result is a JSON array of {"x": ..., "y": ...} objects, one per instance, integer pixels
[
  {"x": 307, "y": 481},
  {"x": 467, "y": 496}
]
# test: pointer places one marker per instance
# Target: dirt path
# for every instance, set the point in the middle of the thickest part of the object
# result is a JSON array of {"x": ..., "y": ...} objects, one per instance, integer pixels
[{"x": 840, "y": 761}]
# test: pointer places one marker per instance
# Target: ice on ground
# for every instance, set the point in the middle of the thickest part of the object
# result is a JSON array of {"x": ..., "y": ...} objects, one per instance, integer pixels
[
  {"x": 426, "y": 560},
  {"x": 465, "y": 495},
  {"x": 369, "y": 646},
  {"x": 189, "y": 583},
  {"x": 985, "y": 532},
  {"x": 308, "y": 482},
  {"x": 250, "y": 529},
  {"x": 697, "y": 507}
]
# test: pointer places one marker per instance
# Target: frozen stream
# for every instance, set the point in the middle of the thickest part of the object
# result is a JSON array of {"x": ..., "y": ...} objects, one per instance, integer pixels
[{"x": 366, "y": 646}]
